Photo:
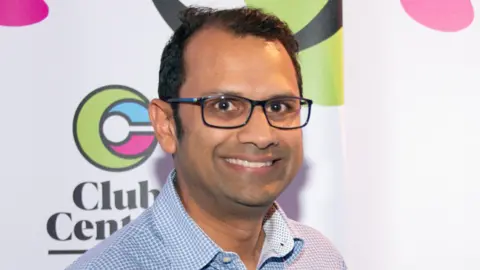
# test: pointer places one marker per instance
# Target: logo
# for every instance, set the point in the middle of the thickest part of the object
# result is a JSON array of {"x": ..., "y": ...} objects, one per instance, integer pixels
[
  {"x": 318, "y": 29},
  {"x": 112, "y": 129},
  {"x": 99, "y": 199},
  {"x": 324, "y": 24},
  {"x": 445, "y": 16},
  {"x": 22, "y": 13}
]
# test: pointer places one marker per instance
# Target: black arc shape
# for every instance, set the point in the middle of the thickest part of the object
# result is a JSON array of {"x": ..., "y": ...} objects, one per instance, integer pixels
[
  {"x": 324, "y": 25},
  {"x": 169, "y": 10}
]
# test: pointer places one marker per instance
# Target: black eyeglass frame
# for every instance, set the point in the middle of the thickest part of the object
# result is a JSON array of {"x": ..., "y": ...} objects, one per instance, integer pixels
[{"x": 200, "y": 101}]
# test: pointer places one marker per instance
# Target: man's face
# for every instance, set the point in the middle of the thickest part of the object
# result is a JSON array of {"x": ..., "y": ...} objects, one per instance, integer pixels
[{"x": 218, "y": 62}]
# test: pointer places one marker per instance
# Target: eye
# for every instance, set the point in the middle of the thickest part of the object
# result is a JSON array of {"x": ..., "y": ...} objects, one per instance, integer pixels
[
  {"x": 276, "y": 107},
  {"x": 280, "y": 106},
  {"x": 225, "y": 105}
]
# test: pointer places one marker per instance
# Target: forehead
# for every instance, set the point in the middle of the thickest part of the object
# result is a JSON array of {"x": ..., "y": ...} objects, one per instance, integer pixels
[{"x": 216, "y": 60}]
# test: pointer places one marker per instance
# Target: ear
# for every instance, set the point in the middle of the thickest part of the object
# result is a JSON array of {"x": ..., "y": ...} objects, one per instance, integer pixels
[{"x": 161, "y": 116}]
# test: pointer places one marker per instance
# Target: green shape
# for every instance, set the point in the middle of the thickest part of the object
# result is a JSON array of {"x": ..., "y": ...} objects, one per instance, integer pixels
[
  {"x": 88, "y": 128},
  {"x": 322, "y": 70},
  {"x": 322, "y": 64},
  {"x": 296, "y": 13}
]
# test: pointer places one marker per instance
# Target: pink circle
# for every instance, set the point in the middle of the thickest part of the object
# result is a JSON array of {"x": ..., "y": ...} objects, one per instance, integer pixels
[
  {"x": 441, "y": 15},
  {"x": 22, "y": 12}
]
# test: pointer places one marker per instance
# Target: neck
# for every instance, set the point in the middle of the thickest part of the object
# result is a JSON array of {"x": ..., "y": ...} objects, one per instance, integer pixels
[{"x": 233, "y": 228}]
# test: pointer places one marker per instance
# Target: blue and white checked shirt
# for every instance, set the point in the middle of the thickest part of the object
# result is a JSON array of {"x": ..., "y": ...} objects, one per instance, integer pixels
[{"x": 164, "y": 236}]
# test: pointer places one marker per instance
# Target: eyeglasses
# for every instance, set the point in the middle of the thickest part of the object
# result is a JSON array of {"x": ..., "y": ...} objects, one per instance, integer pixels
[{"x": 230, "y": 111}]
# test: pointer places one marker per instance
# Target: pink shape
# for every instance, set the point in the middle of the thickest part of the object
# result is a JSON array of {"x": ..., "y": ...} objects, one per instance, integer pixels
[
  {"x": 22, "y": 12},
  {"x": 135, "y": 146},
  {"x": 441, "y": 15}
]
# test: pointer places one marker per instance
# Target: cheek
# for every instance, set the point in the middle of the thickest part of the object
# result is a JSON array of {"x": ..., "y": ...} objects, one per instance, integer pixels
[
  {"x": 202, "y": 141},
  {"x": 293, "y": 138},
  {"x": 295, "y": 143}
]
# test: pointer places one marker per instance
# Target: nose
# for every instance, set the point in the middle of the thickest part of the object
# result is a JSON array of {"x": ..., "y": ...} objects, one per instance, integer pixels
[{"x": 257, "y": 131}]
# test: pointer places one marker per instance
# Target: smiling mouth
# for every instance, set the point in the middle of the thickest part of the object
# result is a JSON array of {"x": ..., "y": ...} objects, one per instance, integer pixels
[{"x": 250, "y": 164}]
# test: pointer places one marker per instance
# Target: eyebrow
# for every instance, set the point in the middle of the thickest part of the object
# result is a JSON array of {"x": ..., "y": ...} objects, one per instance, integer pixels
[{"x": 281, "y": 94}]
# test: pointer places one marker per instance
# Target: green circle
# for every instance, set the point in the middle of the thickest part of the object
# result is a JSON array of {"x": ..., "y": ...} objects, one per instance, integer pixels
[{"x": 86, "y": 127}]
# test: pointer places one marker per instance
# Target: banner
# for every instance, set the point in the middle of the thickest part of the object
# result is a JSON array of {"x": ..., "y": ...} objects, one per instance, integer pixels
[
  {"x": 83, "y": 161},
  {"x": 391, "y": 177}
]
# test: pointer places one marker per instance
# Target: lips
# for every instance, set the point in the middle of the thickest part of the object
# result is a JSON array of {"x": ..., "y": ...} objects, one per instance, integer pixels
[
  {"x": 249, "y": 164},
  {"x": 252, "y": 163}
]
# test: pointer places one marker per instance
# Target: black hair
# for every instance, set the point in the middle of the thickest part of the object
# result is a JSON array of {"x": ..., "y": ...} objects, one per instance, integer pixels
[{"x": 238, "y": 21}]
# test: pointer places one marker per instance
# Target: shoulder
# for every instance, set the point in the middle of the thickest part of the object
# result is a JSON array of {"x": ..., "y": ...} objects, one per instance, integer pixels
[
  {"x": 317, "y": 249},
  {"x": 135, "y": 246}
]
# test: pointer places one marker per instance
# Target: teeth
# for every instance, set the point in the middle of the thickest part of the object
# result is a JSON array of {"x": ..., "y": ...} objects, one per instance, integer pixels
[{"x": 248, "y": 164}]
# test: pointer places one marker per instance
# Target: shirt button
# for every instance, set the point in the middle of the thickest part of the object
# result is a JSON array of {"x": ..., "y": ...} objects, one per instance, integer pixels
[{"x": 227, "y": 259}]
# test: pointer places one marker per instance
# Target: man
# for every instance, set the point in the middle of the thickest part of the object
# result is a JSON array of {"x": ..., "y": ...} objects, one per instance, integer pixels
[{"x": 229, "y": 112}]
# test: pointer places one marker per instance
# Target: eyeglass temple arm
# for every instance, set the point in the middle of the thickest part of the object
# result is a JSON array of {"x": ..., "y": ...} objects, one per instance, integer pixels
[{"x": 180, "y": 100}]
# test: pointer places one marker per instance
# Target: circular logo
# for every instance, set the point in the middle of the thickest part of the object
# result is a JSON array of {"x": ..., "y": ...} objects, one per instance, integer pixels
[{"x": 112, "y": 129}]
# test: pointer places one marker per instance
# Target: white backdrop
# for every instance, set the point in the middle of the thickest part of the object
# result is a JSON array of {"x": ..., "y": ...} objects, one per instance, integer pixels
[
  {"x": 410, "y": 196},
  {"x": 412, "y": 108}
]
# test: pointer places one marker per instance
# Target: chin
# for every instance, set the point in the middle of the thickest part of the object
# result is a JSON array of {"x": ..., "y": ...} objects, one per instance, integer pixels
[
  {"x": 261, "y": 201},
  {"x": 256, "y": 204}
]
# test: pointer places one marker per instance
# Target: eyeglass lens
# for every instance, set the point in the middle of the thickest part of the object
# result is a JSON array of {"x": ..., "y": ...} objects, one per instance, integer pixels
[{"x": 231, "y": 111}]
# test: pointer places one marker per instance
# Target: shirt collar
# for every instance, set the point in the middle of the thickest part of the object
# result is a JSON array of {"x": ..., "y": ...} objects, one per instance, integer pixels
[
  {"x": 279, "y": 241},
  {"x": 197, "y": 250}
]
